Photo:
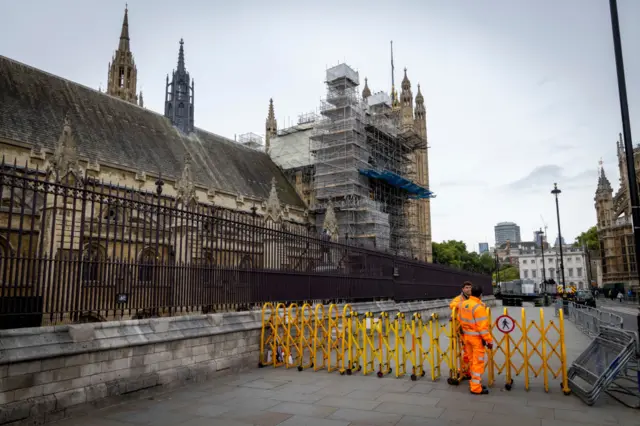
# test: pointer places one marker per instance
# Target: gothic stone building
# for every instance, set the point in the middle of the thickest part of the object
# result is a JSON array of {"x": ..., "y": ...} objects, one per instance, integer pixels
[
  {"x": 85, "y": 165},
  {"x": 613, "y": 213}
]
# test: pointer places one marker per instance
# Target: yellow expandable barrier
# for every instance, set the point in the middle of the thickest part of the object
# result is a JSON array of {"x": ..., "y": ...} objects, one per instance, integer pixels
[{"x": 338, "y": 338}]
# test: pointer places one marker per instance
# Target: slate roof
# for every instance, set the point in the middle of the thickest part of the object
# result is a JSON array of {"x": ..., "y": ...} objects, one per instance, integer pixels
[{"x": 33, "y": 105}]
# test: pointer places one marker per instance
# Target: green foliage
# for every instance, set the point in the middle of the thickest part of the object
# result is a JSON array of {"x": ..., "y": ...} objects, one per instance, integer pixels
[
  {"x": 454, "y": 253},
  {"x": 588, "y": 238},
  {"x": 507, "y": 273}
]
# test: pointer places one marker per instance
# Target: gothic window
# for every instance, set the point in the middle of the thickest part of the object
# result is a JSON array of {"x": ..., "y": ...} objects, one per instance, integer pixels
[
  {"x": 121, "y": 78},
  {"x": 5, "y": 253},
  {"x": 93, "y": 258},
  {"x": 147, "y": 259}
]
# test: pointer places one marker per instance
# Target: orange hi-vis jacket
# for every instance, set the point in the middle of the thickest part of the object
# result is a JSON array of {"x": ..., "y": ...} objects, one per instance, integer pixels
[
  {"x": 474, "y": 319},
  {"x": 455, "y": 303}
]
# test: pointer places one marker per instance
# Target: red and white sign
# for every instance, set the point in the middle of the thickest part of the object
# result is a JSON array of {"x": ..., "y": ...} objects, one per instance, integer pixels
[{"x": 505, "y": 324}]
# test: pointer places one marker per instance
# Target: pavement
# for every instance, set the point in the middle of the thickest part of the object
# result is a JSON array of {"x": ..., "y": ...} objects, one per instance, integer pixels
[{"x": 287, "y": 397}]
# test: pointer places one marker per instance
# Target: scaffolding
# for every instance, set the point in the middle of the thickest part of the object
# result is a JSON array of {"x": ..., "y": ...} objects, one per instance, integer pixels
[{"x": 364, "y": 165}]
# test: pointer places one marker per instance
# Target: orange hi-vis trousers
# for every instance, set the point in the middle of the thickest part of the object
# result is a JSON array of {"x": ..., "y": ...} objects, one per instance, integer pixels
[
  {"x": 465, "y": 360},
  {"x": 478, "y": 357}
]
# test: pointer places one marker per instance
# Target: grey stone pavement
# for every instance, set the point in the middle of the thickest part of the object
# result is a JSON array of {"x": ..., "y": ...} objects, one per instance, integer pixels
[{"x": 287, "y": 397}]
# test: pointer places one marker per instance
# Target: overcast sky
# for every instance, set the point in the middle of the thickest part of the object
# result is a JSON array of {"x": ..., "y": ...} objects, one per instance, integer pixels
[{"x": 519, "y": 93}]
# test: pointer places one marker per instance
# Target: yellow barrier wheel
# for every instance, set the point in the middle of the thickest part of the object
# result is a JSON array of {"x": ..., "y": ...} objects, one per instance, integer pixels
[
  {"x": 566, "y": 392},
  {"x": 299, "y": 368},
  {"x": 453, "y": 382},
  {"x": 422, "y": 374},
  {"x": 348, "y": 371},
  {"x": 260, "y": 365},
  {"x": 414, "y": 377},
  {"x": 379, "y": 374},
  {"x": 342, "y": 372},
  {"x": 508, "y": 386}
]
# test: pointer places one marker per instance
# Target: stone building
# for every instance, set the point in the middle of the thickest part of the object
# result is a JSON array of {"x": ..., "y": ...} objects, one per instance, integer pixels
[
  {"x": 103, "y": 190},
  {"x": 613, "y": 213},
  {"x": 359, "y": 156}
]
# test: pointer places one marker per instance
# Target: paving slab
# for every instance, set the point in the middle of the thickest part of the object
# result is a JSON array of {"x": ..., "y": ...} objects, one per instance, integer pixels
[{"x": 269, "y": 397}]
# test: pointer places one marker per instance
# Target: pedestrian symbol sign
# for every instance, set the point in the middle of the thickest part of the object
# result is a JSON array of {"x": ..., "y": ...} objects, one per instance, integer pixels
[{"x": 505, "y": 323}]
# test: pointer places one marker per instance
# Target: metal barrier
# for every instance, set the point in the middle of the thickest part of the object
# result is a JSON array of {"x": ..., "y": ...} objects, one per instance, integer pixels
[
  {"x": 589, "y": 320},
  {"x": 350, "y": 342},
  {"x": 611, "y": 362},
  {"x": 597, "y": 367}
]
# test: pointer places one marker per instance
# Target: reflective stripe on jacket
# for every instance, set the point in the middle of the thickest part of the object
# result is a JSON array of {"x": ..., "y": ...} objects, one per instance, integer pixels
[{"x": 474, "y": 319}]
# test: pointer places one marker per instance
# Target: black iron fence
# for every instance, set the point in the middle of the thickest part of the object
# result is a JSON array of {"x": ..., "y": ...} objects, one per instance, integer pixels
[{"x": 77, "y": 249}]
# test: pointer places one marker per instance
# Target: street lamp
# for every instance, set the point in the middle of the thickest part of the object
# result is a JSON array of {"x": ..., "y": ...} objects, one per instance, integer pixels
[
  {"x": 555, "y": 192},
  {"x": 544, "y": 274},
  {"x": 626, "y": 132}
]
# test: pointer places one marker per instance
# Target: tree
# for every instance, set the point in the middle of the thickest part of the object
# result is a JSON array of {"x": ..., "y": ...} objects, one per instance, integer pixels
[
  {"x": 589, "y": 238},
  {"x": 507, "y": 273},
  {"x": 454, "y": 253}
]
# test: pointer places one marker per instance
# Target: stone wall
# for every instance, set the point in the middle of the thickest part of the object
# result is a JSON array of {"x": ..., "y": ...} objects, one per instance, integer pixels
[{"x": 49, "y": 373}]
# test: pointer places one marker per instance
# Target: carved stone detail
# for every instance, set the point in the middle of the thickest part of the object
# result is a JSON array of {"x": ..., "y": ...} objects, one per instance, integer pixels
[
  {"x": 185, "y": 187},
  {"x": 65, "y": 155},
  {"x": 330, "y": 223},
  {"x": 272, "y": 207}
]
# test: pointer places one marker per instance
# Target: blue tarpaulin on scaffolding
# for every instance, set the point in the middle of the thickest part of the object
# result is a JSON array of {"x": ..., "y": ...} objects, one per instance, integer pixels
[{"x": 398, "y": 181}]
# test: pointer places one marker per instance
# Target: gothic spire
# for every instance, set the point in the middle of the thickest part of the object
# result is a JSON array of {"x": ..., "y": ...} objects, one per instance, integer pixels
[
  {"x": 406, "y": 84},
  {"x": 124, "y": 33},
  {"x": 604, "y": 186},
  {"x": 419, "y": 98},
  {"x": 122, "y": 78},
  {"x": 272, "y": 206},
  {"x": 271, "y": 127},
  {"x": 180, "y": 95},
  {"x": 181, "y": 67},
  {"x": 366, "y": 92}
]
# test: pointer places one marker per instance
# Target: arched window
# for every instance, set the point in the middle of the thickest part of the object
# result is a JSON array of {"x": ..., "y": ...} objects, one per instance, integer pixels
[
  {"x": 147, "y": 259},
  {"x": 93, "y": 258},
  {"x": 5, "y": 253}
]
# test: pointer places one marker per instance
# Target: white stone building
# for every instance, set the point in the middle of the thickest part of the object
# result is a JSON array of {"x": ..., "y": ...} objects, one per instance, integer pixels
[{"x": 575, "y": 266}]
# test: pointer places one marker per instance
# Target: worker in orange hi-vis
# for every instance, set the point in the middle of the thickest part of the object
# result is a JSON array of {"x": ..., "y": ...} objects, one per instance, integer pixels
[
  {"x": 474, "y": 321},
  {"x": 455, "y": 304}
]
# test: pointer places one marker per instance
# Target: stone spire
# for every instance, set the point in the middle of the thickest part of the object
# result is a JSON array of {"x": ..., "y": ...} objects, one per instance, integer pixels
[
  {"x": 366, "y": 92},
  {"x": 124, "y": 33},
  {"x": 271, "y": 127},
  {"x": 123, "y": 74},
  {"x": 179, "y": 96},
  {"x": 141, "y": 100},
  {"x": 420, "y": 122},
  {"x": 406, "y": 104},
  {"x": 272, "y": 206},
  {"x": 185, "y": 186},
  {"x": 65, "y": 154},
  {"x": 604, "y": 186}
]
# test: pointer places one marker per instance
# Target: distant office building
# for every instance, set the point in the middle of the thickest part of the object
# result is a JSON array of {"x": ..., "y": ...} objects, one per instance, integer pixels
[
  {"x": 539, "y": 237},
  {"x": 558, "y": 241},
  {"x": 506, "y": 231},
  {"x": 483, "y": 247}
]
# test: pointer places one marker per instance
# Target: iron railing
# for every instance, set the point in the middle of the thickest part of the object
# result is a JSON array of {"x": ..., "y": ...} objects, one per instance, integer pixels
[{"x": 77, "y": 249}]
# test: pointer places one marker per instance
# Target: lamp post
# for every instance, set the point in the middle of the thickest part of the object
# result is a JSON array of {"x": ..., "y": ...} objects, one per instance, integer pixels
[
  {"x": 626, "y": 133},
  {"x": 555, "y": 192},
  {"x": 544, "y": 274}
]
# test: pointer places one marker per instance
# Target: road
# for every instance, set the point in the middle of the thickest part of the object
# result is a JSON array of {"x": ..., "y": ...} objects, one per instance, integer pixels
[{"x": 628, "y": 312}]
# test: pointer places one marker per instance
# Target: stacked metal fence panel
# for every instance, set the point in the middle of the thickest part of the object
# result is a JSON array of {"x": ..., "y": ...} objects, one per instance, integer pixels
[{"x": 598, "y": 366}]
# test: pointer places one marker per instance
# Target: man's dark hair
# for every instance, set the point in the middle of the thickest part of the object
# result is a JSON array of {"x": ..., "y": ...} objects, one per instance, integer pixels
[
  {"x": 466, "y": 283},
  {"x": 476, "y": 291}
]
